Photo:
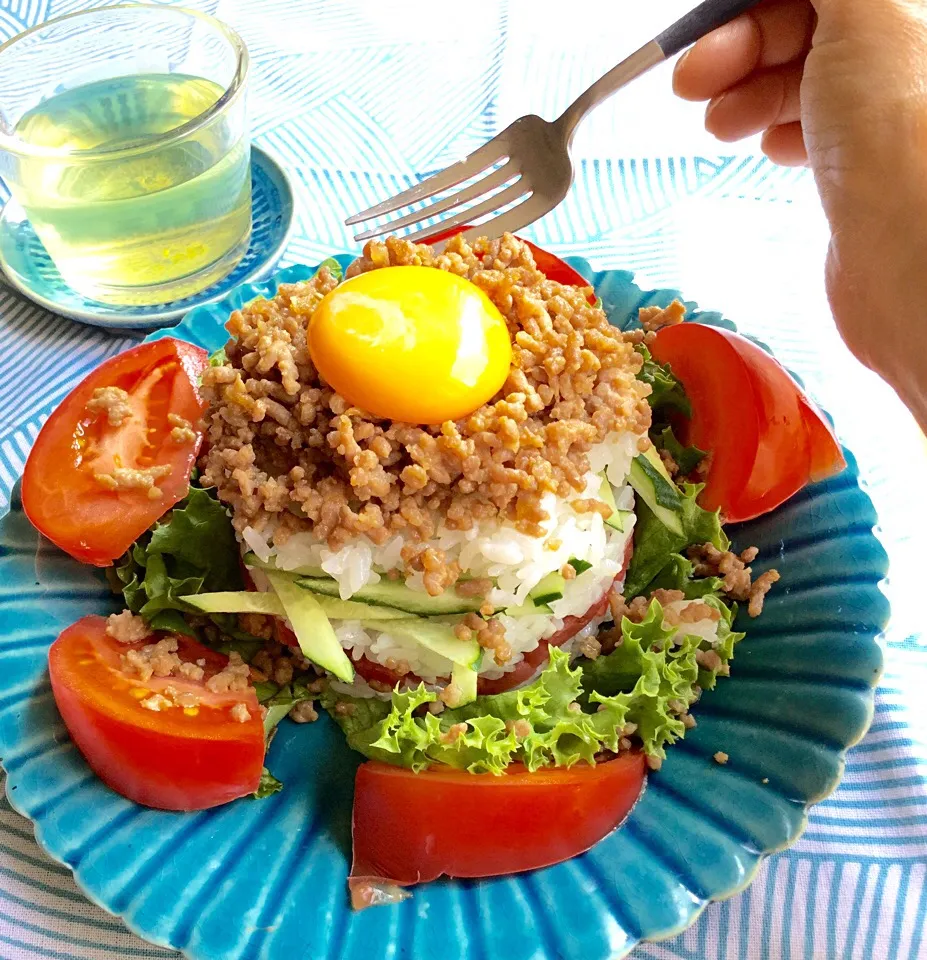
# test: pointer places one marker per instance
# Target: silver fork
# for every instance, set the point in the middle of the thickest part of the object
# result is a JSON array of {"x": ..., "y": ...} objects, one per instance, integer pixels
[{"x": 529, "y": 162}]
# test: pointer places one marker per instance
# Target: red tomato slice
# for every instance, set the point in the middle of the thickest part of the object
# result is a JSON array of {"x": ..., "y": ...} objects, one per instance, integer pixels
[
  {"x": 173, "y": 759},
  {"x": 415, "y": 827},
  {"x": 61, "y": 495},
  {"x": 767, "y": 439},
  {"x": 826, "y": 455}
]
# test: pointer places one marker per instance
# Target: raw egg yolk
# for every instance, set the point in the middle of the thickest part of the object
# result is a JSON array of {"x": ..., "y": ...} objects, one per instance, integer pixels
[{"x": 414, "y": 344}]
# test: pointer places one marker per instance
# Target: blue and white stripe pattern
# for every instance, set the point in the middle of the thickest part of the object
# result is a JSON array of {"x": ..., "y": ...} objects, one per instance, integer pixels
[{"x": 358, "y": 99}]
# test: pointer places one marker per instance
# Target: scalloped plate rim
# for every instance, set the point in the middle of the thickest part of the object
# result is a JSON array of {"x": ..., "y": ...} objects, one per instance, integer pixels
[{"x": 246, "y": 293}]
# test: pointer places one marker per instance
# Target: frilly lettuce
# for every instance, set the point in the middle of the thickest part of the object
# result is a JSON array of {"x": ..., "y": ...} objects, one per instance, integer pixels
[
  {"x": 568, "y": 714},
  {"x": 191, "y": 549},
  {"x": 655, "y": 545}
]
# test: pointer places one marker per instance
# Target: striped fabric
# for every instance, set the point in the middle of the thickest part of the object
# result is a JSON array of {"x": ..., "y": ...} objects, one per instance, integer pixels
[{"x": 358, "y": 99}]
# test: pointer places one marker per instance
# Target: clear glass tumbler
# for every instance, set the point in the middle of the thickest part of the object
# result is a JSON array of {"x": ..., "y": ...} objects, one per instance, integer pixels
[{"x": 123, "y": 135}]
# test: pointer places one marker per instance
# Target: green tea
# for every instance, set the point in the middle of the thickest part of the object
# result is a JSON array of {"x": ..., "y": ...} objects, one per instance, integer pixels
[{"x": 154, "y": 222}]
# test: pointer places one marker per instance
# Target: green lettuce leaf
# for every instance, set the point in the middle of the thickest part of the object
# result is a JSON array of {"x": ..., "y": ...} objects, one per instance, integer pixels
[
  {"x": 556, "y": 729},
  {"x": 655, "y": 671},
  {"x": 192, "y": 549},
  {"x": 676, "y": 574},
  {"x": 268, "y": 786},
  {"x": 655, "y": 545},
  {"x": 334, "y": 266},
  {"x": 666, "y": 391},
  {"x": 687, "y": 458},
  {"x": 198, "y": 539},
  {"x": 567, "y": 715}
]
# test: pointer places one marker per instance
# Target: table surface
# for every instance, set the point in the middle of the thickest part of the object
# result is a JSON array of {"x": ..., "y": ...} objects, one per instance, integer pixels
[{"x": 360, "y": 98}]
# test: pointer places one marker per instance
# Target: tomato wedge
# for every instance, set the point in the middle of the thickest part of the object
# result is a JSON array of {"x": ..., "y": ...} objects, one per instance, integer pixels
[
  {"x": 415, "y": 827},
  {"x": 767, "y": 439},
  {"x": 65, "y": 487},
  {"x": 175, "y": 758}
]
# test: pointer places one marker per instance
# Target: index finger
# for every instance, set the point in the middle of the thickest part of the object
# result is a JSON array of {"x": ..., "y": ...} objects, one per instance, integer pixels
[{"x": 770, "y": 35}]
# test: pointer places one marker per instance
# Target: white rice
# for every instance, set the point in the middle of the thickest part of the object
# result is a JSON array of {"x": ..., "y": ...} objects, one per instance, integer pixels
[{"x": 515, "y": 561}]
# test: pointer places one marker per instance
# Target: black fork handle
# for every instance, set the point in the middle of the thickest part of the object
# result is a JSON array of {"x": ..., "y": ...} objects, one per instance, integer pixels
[{"x": 698, "y": 22}]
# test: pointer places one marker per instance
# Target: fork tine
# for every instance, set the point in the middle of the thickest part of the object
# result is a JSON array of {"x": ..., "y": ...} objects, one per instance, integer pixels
[
  {"x": 495, "y": 179},
  {"x": 464, "y": 169},
  {"x": 510, "y": 194},
  {"x": 513, "y": 220}
]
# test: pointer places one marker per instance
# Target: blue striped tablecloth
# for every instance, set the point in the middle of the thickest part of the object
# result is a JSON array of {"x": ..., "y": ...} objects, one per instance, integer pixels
[{"x": 359, "y": 98}]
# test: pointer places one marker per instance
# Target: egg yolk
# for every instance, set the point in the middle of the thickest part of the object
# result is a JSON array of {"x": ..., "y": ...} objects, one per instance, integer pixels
[{"x": 414, "y": 344}]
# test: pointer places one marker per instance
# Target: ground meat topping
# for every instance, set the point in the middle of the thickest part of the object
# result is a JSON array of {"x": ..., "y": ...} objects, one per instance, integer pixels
[
  {"x": 652, "y": 318},
  {"x": 156, "y": 703},
  {"x": 114, "y": 402},
  {"x": 589, "y": 647},
  {"x": 478, "y": 587},
  {"x": 240, "y": 713},
  {"x": 233, "y": 678},
  {"x": 282, "y": 446},
  {"x": 521, "y": 728},
  {"x": 758, "y": 590},
  {"x": 126, "y": 627},
  {"x": 721, "y": 757},
  {"x": 154, "y": 660},
  {"x": 490, "y": 635},
  {"x": 182, "y": 431},
  {"x": 453, "y": 733},
  {"x": 124, "y": 478},
  {"x": 736, "y": 576},
  {"x": 305, "y": 712},
  {"x": 672, "y": 468}
]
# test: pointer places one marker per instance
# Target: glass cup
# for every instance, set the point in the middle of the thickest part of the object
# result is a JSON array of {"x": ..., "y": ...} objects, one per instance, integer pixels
[{"x": 123, "y": 135}]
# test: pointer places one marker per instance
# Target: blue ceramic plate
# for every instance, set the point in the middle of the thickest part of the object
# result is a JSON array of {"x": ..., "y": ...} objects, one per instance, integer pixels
[
  {"x": 29, "y": 269},
  {"x": 266, "y": 879}
]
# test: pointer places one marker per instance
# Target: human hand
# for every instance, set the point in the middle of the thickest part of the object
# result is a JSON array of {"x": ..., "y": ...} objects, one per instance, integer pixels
[{"x": 842, "y": 85}]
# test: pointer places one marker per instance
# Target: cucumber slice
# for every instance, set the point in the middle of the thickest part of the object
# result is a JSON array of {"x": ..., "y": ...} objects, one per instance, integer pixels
[
  {"x": 237, "y": 601},
  {"x": 393, "y": 593},
  {"x": 547, "y": 590},
  {"x": 529, "y": 609},
  {"x": 655, "y": 487},
  {"x": 464, "y": 678},
  {"x": 249, "y": 601},
  {"x": 337, "y": 609},
  {"x": 317, "y": 639},
  {"x": 439, "y": 638},
  {"x": 253, "y": 560},
  {"x": 618, "y": 518}
]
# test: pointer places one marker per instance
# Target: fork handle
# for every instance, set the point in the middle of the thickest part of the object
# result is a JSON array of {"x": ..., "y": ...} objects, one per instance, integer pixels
[
  {"x": 699, "y": 22},
  {"x": 684, "y": 32}
]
